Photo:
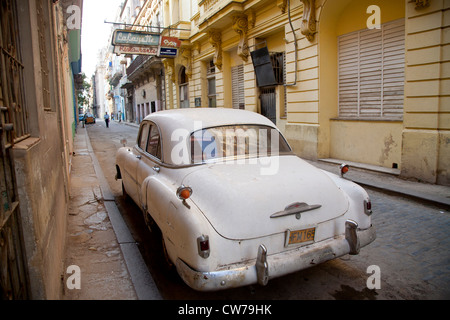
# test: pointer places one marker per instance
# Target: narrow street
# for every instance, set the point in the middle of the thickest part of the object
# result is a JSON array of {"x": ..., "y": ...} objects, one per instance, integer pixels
[
  {"x": 411, "y": 249},
  {"x": 343, "y": 81}
]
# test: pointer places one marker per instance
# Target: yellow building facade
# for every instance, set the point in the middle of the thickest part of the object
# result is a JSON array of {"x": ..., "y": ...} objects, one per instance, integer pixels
[{"x": 366, "y": 81}]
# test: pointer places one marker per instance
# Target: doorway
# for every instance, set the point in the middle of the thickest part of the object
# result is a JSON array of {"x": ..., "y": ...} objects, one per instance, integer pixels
[{"x": 268, "y": 101}]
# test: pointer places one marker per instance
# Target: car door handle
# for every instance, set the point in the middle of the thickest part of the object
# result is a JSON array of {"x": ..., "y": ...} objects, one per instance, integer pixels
[
  {"x": 156, "y": 169},
  {"x": 138, "y": 156}
]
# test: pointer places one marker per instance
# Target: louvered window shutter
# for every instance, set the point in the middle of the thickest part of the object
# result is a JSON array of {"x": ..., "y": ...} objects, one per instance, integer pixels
[
  {"x": 371, "y": 72},
  {"x": 237, "y": 87}
]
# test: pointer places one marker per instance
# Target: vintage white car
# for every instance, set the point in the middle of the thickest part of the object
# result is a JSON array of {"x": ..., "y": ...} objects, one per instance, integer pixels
[{"x": 235, "y": 206}]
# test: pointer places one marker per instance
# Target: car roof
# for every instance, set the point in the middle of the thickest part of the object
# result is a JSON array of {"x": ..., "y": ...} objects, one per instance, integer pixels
[
  {"x": 176, "y": 123},
  {"x": 196, "y": 118}
]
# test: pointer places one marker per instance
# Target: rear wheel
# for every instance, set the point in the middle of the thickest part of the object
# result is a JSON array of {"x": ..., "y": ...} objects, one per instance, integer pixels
[
  {"x": 149, "y": 222},
  {"x": 169, "y": 263},
  {"x": 154, "y": 229},
  {"x": 124, "y": 193}
]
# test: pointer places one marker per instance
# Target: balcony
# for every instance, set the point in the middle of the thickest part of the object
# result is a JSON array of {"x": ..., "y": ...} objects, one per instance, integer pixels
[
  {"x": 213, "y": 13},
  {"x": 209, "y": 4},
  {"x": 142, "y": 66},
  {"x": 115, "y": 79},
  {"x": 141, "y": 59}
]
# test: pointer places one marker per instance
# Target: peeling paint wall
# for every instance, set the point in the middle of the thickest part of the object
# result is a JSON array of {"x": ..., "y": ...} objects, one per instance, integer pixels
[
  {"x": 42, "y": 160},
  {"x": 378, "y": 144}
]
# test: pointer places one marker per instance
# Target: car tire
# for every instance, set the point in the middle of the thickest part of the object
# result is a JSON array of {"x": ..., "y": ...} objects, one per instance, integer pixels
[
  {"x": 153, "y": 228},
  {"x": 150, "y": 223},
  {"x": 169, "y": 263},
  {"x": 124, "y": 193}
]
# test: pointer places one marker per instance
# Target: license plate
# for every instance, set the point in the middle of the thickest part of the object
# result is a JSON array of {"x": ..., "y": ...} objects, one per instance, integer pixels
[{"x": 304, "y": 236}]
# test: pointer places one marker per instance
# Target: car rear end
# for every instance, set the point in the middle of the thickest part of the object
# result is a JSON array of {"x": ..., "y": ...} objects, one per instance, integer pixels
[
  {"x": 267, "y": 265},
  {"x": 266, "y": 227}
]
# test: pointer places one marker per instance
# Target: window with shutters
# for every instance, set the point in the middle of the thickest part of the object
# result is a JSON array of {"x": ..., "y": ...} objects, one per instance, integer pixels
[
  {"x": 237, "y": 87},
  {"x": 211, "y": 78},
  {"x": 372, "y": 72}
]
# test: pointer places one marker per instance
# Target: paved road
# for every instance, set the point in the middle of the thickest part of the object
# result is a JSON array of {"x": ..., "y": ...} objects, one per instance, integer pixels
[{"x": 412, "y": 249}]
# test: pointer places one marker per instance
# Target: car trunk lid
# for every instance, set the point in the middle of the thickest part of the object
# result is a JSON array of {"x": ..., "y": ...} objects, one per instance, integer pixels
[{"x": 239, "y": 201}]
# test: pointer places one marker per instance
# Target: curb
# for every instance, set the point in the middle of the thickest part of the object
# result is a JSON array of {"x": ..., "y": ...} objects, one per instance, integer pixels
[
  {"x": 391, "y": 184},
  {"x": 438, "y": 201},
  {"x": 141, "y": 278}
]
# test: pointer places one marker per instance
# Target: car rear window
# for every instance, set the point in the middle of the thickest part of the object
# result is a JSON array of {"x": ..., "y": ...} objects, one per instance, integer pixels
[{"x": 235, "y": 142}]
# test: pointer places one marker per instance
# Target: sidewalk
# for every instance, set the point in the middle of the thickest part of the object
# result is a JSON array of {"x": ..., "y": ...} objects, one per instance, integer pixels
[
  {"x": 99, "y": 243},
  {"x": 431, "y": 193}
]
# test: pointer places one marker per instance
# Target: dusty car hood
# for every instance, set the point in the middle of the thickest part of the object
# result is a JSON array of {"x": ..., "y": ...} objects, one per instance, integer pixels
[{"x": 238, "y": 201}]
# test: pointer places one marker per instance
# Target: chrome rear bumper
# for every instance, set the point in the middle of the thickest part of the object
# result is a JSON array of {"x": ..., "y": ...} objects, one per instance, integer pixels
[{"x": 271, "y": 266}]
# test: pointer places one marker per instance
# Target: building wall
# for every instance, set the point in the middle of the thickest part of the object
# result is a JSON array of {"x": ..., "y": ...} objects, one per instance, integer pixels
[
  {"x": 426, "y": 133},
  {"x": 367, "y": 141},
  {"x": 312, "y": 123},
  {"x": 150, "y": 92},
  {"x": 41, "y": 159}
]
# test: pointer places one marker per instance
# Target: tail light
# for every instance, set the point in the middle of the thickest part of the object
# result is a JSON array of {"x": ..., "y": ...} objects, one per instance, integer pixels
[
  {"x": 367, "y": 207},
  {"x": 203, "y": 246},
  {"x": 344, "y": 169}
]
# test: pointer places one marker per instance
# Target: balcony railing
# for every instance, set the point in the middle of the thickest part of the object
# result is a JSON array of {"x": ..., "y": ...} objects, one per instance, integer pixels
[
  {"x": 209, "y": 8},
  {"x": 208, "y": 4},
  {"x": 141, "y": 59},
  {"x": 116, "y": 78}
]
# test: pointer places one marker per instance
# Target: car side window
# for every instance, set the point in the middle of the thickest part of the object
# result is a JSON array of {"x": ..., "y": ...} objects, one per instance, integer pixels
[
  {"x": 142, "y": 141},
  {"x": 154, "y": 142}
]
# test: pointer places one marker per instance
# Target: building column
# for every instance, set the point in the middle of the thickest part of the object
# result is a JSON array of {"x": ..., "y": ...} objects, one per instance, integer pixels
[{"x": 426, "y": 131}]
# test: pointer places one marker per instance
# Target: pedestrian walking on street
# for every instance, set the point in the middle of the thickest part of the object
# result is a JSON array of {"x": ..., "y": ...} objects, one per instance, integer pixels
[{"x": 106, "y": 117}]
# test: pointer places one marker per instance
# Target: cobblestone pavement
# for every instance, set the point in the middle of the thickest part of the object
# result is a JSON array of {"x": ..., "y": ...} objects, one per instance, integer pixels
[{"x": 412, "y": 247}]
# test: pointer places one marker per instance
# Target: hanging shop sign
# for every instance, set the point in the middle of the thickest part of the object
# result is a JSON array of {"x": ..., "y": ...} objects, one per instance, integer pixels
[
  {"x": 169, "y": 47},
  {"x": 135, "y": 38},
  {"x": 170, "y": 42},
  {"x": 149, "y": 50},
  {"x": 144, "y": 43}
]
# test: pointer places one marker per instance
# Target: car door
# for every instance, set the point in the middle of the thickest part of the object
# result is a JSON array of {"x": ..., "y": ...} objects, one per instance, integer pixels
[
  {"x": 150, "y": 162},
  {"x": 129, "y": 176}
]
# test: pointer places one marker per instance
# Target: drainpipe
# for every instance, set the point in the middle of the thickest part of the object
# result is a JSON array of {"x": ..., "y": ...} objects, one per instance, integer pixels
[{"x": 295, "y": 45}]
